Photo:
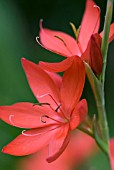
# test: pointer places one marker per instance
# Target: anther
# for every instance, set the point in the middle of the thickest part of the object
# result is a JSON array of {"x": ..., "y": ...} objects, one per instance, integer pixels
[
  {"x": 11, "y": 121},
  {"x": 57, "y": 108},
  {"x": 41, "y": 118},
  {"x": 25, "y": 134},
  {"x": 64, "y": 44},
  {"x": 40, "y": 104},
  {"x": 60, "y": 39}
]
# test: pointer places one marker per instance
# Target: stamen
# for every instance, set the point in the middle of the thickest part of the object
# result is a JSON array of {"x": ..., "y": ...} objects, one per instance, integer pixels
[
  {"x": 60, "y": 39},
  {"x": 43, "y": 121},
  {"x": 40, "y": 104},
  {"x": 58, "y": 108},
  {"x": 53, "y": 99},
  {"x": 25, "y": 134},
  {"x": 40, "y": 133},
  {"x": 46, "y": 116},
  {"x": 43, "y": 95},
  {"x": 10, "y": 119},
  {"x": 76, "y": 31},
  {"x": 38, "y": 41},
  {"x": 64, "y": 44},
  {"x": 13, "y": 124},
  {"x": 58, "y": 105},
  {"x": 48, "y": 94}
]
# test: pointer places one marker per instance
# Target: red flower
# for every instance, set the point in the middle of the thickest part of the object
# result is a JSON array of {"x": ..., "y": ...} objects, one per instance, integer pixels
[
  {"x": 88, "y": 41},
  {"x": 60, "y": 111},
  {"x": 79, "y": 149}
]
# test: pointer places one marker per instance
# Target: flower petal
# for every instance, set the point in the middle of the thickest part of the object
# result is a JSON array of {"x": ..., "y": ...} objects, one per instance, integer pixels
[
  {"x": 56, "y": 78},
  {"x": 57, "y": 67},
  {"x": 27, "y": 115},
  {"x": 58, "y": 42},
  {"x": 78, "y": 114},
  {"x": 28, "y": 144},
  {"x": 112, "y": 153},
  {"x": 72, "y": 85},
  {"x": 43, "y": 87},
  {"x": 93, "y": 55},
  {"x": 90, "y": 23},
  {"x": 111, "y": 34},
  {"x": 59, "y": 142}
]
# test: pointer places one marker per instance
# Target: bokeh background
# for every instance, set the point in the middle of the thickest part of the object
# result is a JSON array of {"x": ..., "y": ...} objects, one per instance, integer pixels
[{"x": 19, "y": 25}]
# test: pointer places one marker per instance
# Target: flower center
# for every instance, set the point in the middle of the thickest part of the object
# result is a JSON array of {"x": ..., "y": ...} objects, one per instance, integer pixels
[{"x": 61, "y": 118}]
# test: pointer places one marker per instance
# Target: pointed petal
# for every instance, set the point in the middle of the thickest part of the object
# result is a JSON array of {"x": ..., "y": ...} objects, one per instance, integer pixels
[
  {"x": 112, "y": 153},
  {"x": 41, "y": 83},
  {"x": 58, "y": 42},
  {"x": 72, "y": 85},
  {"x": 93, "y": 55},
  {"x": 27, "y": 115},
  {"x": 57, "y": 67},
  {"x": 78, "y": 114},
  {"x": 75, "y": 120},
  {"x": 28, "y": 144},
  {"x": 58, "y": 143},
  {"x": 90, "y": 23},
  {"x": 56, "y": 78},
  {"x": 111, "y": 34}
]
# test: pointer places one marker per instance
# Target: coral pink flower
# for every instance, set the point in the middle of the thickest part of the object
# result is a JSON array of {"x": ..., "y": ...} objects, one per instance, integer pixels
[
  {"x": 51, "y": 122},
  {"x": 112, "y": 153},
  {"x": 79, "y": 149},
  {"x": 87, "y": 41}
]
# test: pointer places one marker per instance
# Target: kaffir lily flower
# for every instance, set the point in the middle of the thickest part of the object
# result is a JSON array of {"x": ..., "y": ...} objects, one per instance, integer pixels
[
  {"x": 87, "y": 41},
  {"x": 59, "y": 111}
]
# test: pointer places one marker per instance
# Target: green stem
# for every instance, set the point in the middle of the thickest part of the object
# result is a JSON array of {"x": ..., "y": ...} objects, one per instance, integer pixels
[
  {"x": 97, "y": 86},
  {"x": 105, "y": 37},
  {"x": 98, "y": 91},
  {"x": 90, "y": 133}
]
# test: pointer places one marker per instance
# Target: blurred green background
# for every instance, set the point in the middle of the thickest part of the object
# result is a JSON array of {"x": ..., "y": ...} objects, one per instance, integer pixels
[{"x": 19, "y": 25}]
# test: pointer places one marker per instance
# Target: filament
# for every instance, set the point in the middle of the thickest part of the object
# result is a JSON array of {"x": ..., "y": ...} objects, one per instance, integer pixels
[
  {"x": 25, "y": 134},
  {"x": 41, "y": 118},
  {"x": 64, "y": 44},
  {"x": 57, "y": 108},
  {"x": 46, "y": 116},
  {"x": 58, "y": 105},
  {"x": 10, "y": 119},
  {"x": 40, "y": 133},
  {"x": 40, "y": 104},
  {"x": 47, "y": 94}
]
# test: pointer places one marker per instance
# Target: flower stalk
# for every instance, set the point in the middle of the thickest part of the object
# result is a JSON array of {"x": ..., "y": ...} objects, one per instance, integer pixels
[
  {"x": 98, "y": 92},
  {"x": 105, "y": 37},
  {"x": 97, "y": 85}
]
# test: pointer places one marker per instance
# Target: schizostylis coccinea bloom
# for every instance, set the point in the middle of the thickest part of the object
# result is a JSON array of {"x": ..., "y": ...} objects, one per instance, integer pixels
[
  {"x": 59, "y": 112},
  {"x": 87, "y": 44}
]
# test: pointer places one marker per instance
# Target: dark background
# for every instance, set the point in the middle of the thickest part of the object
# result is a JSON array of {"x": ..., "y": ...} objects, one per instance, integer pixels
[{"x": 19, "y": 25}]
